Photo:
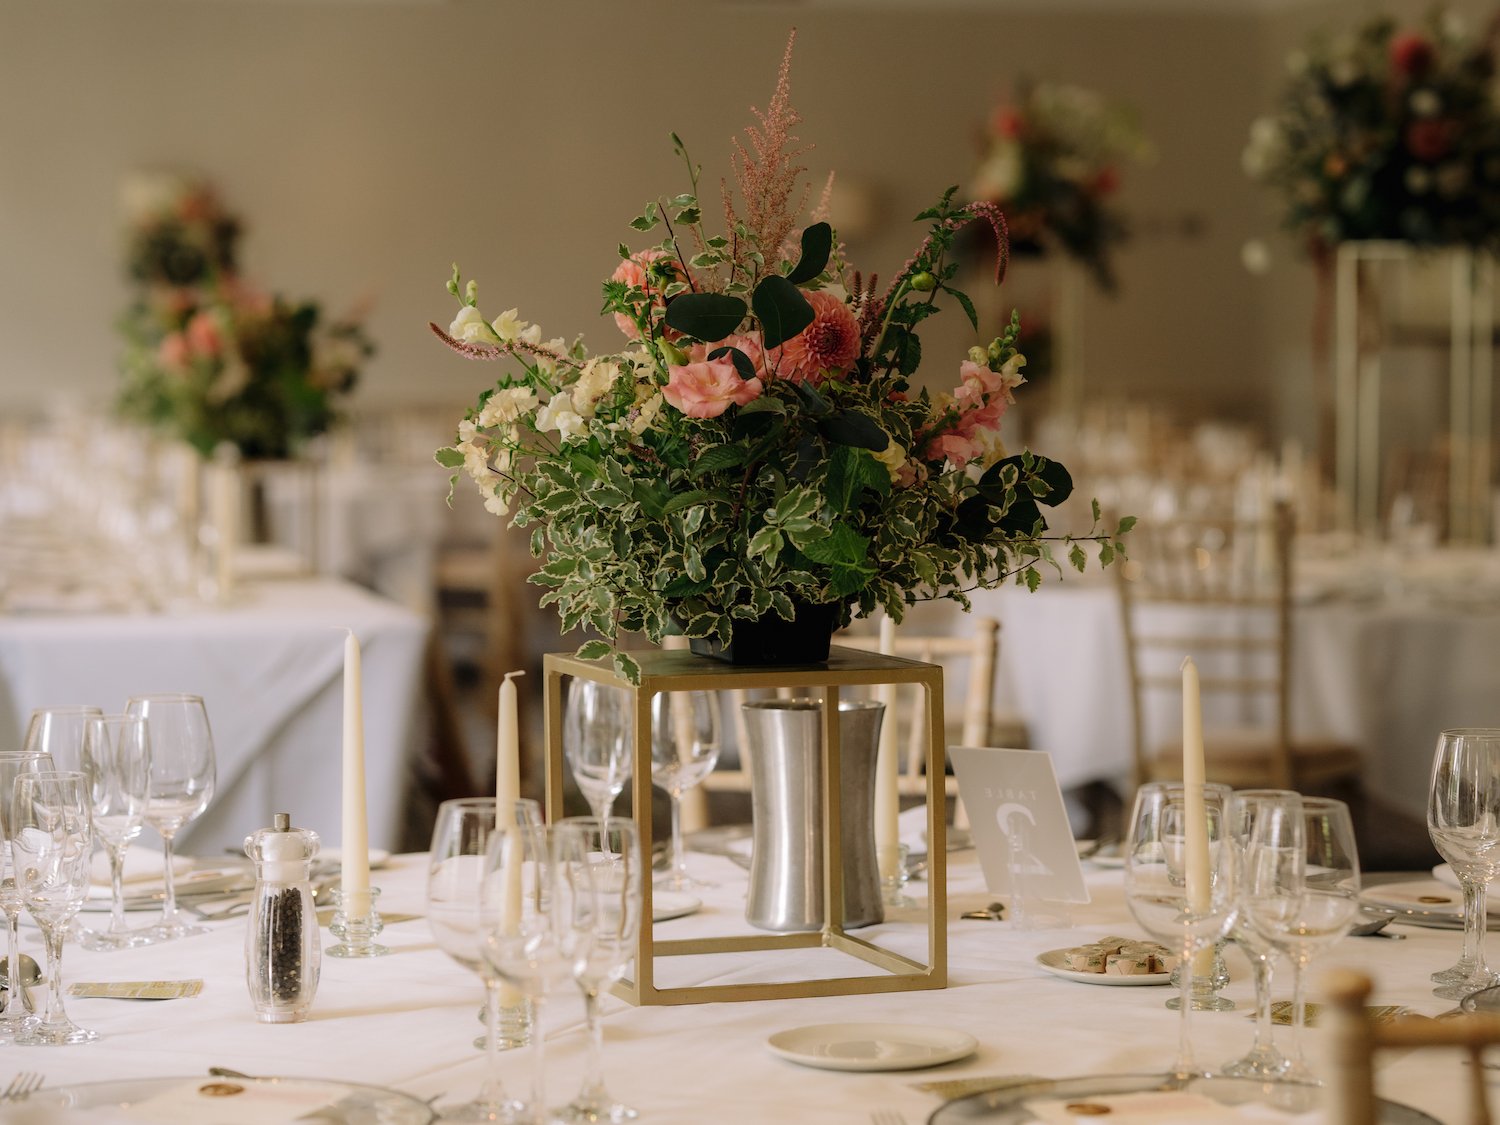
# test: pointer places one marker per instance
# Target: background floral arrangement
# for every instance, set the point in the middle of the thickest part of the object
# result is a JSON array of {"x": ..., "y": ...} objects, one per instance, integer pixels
[
  {"x": 1387, "y": 133},
  {"x": 210, "y": 359},
  {"x": 1051, "y": 162},
  {"x": 755, "y": 446}
]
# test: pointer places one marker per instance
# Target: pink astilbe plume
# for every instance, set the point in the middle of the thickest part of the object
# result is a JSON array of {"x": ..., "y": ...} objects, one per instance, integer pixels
[{"x": 766, "y": 174}]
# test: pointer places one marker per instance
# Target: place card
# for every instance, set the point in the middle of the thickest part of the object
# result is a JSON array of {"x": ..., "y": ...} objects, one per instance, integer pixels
[
  {"x": 1019, "y": 823},
  {"x": 1283, "y": 1012},
  {"x": 136, "y": 989},
  {"x": 951, "y": 1088}
]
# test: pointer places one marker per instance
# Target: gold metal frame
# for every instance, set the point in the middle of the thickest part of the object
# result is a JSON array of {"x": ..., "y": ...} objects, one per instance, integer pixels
[{"x": 683, "y": 671}]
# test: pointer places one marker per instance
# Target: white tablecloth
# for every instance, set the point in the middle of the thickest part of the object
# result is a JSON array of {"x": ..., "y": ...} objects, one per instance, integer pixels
[
  {"x": 269, "y": 666},
  {"x": 1384, "y": 669},
  {"x": 408, "y": 1020}
]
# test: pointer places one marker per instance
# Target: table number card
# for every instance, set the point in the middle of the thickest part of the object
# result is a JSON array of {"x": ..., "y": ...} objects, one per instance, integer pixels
[{"x": 1015, "y": 806}]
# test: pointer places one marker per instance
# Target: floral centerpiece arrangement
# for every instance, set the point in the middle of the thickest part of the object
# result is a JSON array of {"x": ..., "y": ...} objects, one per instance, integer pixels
[
  {"x": 755, "y": 450},
  {"x": 1051, "y": 162},
  {"x": 209, "y": 358},
  {"x": 1387, "y": 133}
]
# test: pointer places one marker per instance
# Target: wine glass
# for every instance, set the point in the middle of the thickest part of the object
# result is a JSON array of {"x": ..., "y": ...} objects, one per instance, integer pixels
[
  {"x": 182, "y": 783},
  {"x": 49, "y": 840},
  {"x": 1179, "y": 881},
  {"x": 1302, "y": 871},
  {"x": 58, "y": 733},
  {"x": 526, "y": 909},
  {"x": 1263, "y": 1060},
  {"x": 13, "y": 763},
  {"x": 601, "y": 940},
  {"x": 597, "y": 741},
  {"x": 684, "y": 750},
  {"x": 460, "y": 918},
  {"x": 117, "y": 764},
  {"x": 1463, "y": 818}
]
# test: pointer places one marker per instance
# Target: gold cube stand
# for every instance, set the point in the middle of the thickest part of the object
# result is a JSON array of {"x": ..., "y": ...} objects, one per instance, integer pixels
[{"x": 684, "y": 671}]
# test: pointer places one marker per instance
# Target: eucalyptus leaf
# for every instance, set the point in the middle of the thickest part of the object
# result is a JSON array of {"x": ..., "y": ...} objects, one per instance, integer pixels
[
  {"x": 781, "y": 308},
  {"x": 817, "y": 245},
  {"x": 705, "y": 316}
]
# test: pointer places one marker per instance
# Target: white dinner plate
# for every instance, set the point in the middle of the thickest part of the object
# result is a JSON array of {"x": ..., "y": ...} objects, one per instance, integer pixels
[
  {"x": 1420, "y": 898},
  {"x": 227, "y": 1101},
  {"x": 666, "y": 905},
  {"x": 872, "y": 1046},
  {"x": 1055, "y": 962},
  {"x": 198, "y": 881}
]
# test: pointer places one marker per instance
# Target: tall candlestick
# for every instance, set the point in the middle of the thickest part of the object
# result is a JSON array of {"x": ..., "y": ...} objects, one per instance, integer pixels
[
  {"x": 507, "y": 793},
  {"x": 1195, "y": 831},
  {"x": 888, "y": 770},
  {"x": 355, "y": 881}
]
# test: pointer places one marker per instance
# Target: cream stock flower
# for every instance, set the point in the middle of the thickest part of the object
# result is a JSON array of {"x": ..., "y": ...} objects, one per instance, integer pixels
[
  {"x": 507, "y": 405},
  {"x": 594, "y": 382},
  {"x": 559, "y": 415}
]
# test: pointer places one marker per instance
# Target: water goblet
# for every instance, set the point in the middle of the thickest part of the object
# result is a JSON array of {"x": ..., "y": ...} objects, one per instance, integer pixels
[
  {"x": 597, "y": 742},
  {"x": 1263, "y": 1060},
  {"x": 13, "y": 763},
  {"x": 1179, "y": 881},
  {"x": 684, "y": 750},
  {"x": 1302, "y": 893},
  {"x": 49, "y": 840},
  {"x": 459, "y": 918},
  {"x": 601, "y": 939},
  {"x": 523, "y": 943},
  {"x": 182, "y": 784},
  {"x": 117, "y": 764},
  {"x": 1463, "y": 819},
  {"x": 58, "y": 733}
]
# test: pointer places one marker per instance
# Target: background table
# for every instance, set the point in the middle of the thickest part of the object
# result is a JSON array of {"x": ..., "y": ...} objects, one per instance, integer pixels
[
  {"x": 269, "y": 666},
  {"x": 408, "y": 1020}
]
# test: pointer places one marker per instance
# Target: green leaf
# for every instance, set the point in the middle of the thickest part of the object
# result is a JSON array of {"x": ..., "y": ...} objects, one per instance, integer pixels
[
  {"x": 1033, "y": 579},
  {"x": 767, "y": 541},
  {"x": 689, "y": 215},
  {"x": 850, "y": 427},
  {"x": 1059, "y": 481},
  {"x": 1094, "y": 506},
  {"x": 449, "y": 458},
  {"x": 647, "y": 218},
  {"x": 538, "y": 542},
  {"x": 1078, "y": 558},
  {"x": 1125, "y": 525},
  {"x": 781, "y": 308},
  {"x": 687, "y": 499},
  {"x": 817, "y": 244},
  {"x": 627, "y": 668},
  {"x": 843, "y": 546},
  {"x": 741, "y": 362},
  {"x": 1106, "y": 553},
  {"x": 594, "y": 650},
  {"x": 966, "y": 304},
  {"x": 911, "y": 353},
  {"x": 719, "y": 457},
  {"x": 705, "y": 316},
  {"x": 766, "y": 404},
  {"x": 815, "y": 404}
]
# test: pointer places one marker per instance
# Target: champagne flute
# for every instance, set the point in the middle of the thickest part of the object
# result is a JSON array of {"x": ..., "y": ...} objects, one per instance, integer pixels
[
  {"x": 524, "y": 944},
  {"x": 1303, "y": 874},
  {"x": 13, "y": 763},
  {"x": 58, "y": 733},
  {"x": 601, "y": 940},
  {"x": 182, "y": 783},
  {"x": 684, "y": 750},
  {"x": 1263, "y": 1060},
  {"x": 1179, "y": 881},
  {"x": 1463, "y": 818},
  {"x": 117, "y": 764},
  {"x": 49, "y": 840},
  {"x": 597, "y": 742},
  {"x": 460, "y": 918}
]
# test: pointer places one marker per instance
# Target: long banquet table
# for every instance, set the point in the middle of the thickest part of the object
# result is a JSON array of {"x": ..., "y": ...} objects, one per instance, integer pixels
[
  {"x": 408, "y": 1020},
  {"x": 269, "y": 666}
]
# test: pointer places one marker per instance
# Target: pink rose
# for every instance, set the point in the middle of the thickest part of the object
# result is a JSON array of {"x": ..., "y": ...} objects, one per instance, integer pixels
[
  {"x": 829, "y": 345},
  {"x": 632, "y": 271},
  {"x": 173, "y": 350},
  {"x": 203, "y": 334},
  {"x": 749, "y": 344},
  {"x": 706, "y": 390}
]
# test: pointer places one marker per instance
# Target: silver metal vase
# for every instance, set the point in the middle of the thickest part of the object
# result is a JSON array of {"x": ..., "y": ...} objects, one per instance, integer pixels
[{"x": 785, "y": 754}]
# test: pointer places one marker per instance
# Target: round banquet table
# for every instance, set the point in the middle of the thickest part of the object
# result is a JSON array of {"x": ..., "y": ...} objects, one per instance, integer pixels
[{"x": 408, "y": 1020}]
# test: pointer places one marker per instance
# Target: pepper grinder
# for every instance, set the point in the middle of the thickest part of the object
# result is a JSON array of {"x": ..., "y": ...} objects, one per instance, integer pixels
[{"x": 282, "y": 948}]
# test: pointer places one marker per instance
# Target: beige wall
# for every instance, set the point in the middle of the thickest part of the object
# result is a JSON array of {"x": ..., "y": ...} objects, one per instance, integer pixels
[{"x": 370, "y": 145}]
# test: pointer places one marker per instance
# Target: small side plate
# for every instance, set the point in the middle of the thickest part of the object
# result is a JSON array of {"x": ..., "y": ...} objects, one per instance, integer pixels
[
  {"x": 666, "y": 905},
  {"x": 1055, "y": 962},
  {"x": 872, "y": 1046}
]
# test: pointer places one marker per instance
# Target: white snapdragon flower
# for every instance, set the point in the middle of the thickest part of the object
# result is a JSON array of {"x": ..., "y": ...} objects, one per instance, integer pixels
[
  {"x": 991, "y": 449},
  {"x": 646, "y": 414},
  {"x": 509, "y": 325},
  {"x": 559, "y": 415},
  {"x": 893, "y": 457},
  {"x": 468, "y": 327},
  {"x": 594, "y": 382},
  {"x": 507, "y": 405},
  {"x": 1010, "y": 375}
]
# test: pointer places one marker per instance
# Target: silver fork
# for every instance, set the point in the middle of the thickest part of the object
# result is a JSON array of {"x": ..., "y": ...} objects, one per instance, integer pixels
[
  {"x": 23, "y": 1085},
  {"x": 887, "y": 1117}
]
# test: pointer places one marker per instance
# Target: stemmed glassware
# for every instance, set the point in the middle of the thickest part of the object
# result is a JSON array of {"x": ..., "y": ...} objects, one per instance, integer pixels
[
  {"x": 600, "y": 939},
  {"x": 58, "y": 733},
  {"x": 1302, "y": 893},
  {"x": 1463, "y": 818},
  {"x": 13, "y": 764},
  {"x": 525, "y": 946},
  {"x": 597, "y": 741},
  {"x": 1179, "y": 881},
  {"x": 461, "y": 917},
  {"x": 1263, "y": 1060},
  {"x": 117, "y": 764},
  {"x": 50, "y": 840},
  {"x": 684, "y": 750},
  {"x": 182, "y": 784}
]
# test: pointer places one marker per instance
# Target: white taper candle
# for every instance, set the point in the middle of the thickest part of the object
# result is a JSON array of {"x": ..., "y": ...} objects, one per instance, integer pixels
[{"x": 355, "y": 881}]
